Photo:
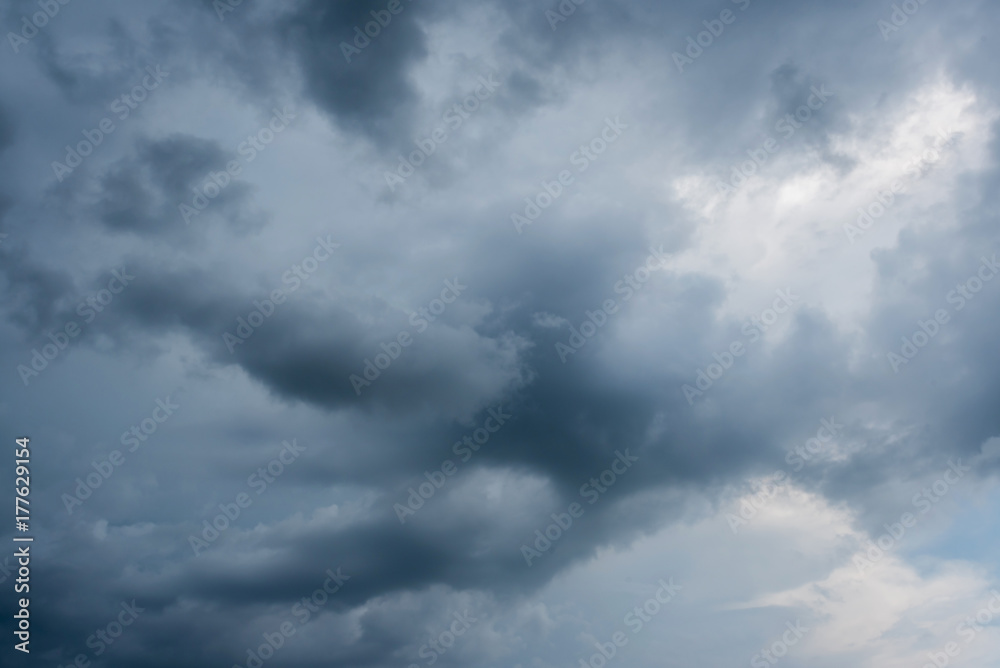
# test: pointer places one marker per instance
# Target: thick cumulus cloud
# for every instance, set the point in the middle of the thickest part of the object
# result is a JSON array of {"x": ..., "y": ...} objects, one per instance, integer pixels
[{"x": 419, "y": 334}]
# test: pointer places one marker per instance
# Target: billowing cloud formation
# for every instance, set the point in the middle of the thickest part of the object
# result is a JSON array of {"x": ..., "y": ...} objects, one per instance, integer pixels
[{"x": 396, "y": 333}]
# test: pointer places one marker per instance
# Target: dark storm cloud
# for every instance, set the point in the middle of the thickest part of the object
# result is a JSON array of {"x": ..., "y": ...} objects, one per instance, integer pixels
[
  {"x": 366, "y": 88},
  {"x": 143, "y": 194},
  {"x": 372, "y": 93},
  {"x": 307, "y": 352},
  {"x": 32, "y": 292},
  {"x": 620, "y": 391}
]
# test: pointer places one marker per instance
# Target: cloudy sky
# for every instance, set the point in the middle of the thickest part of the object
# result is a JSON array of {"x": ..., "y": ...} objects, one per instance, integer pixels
[{"x": 502, "y": 334}]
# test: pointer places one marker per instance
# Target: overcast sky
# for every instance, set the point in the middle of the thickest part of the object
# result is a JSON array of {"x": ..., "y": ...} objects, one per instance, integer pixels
[{"x": 503, "y": 334}]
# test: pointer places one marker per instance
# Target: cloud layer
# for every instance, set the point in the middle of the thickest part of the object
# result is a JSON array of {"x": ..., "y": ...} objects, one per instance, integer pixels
[{"x": 562, "y": 307}]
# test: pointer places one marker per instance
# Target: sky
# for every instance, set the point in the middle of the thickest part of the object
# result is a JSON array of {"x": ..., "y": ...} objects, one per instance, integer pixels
[{"x": 501, "y": 334}]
